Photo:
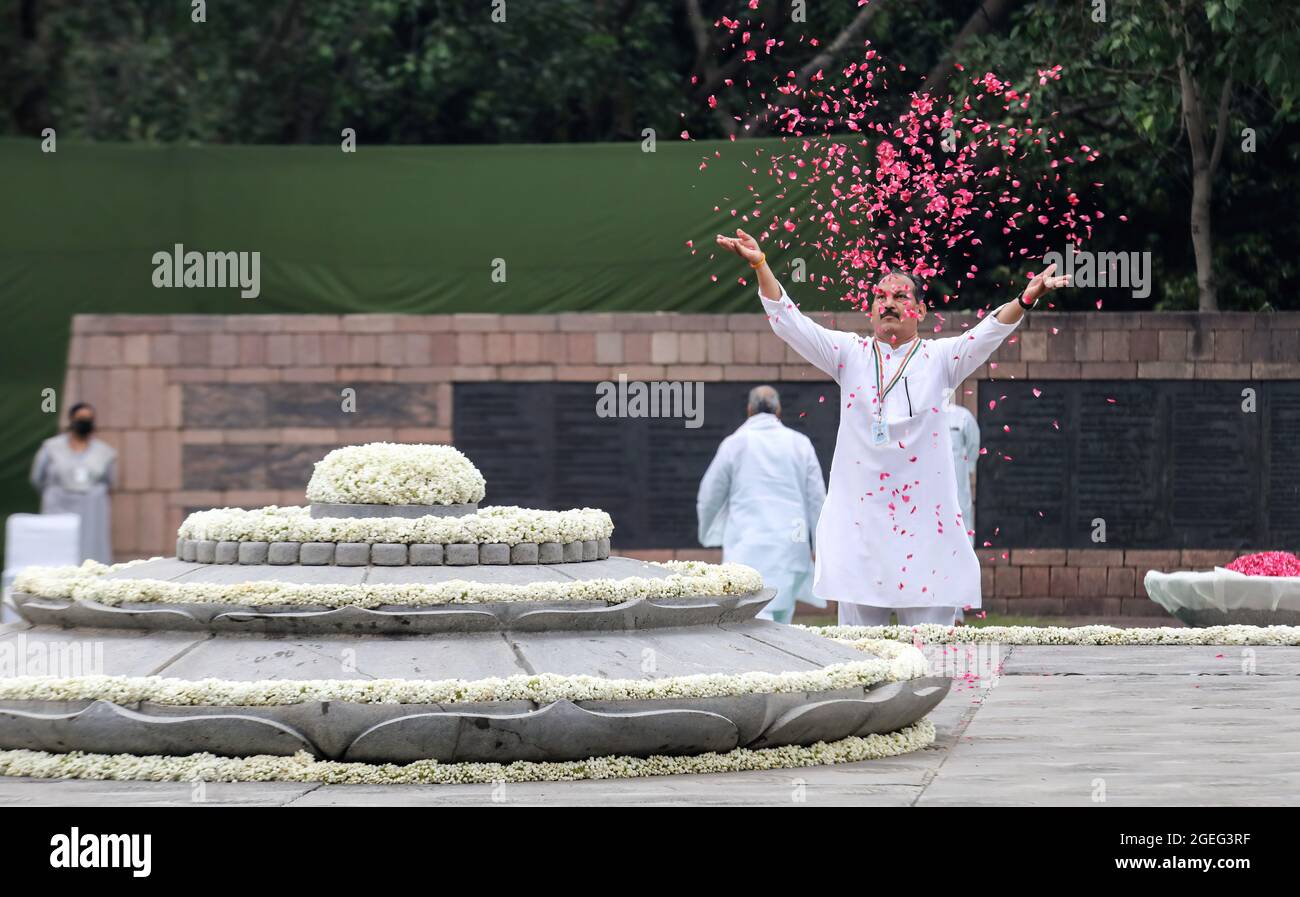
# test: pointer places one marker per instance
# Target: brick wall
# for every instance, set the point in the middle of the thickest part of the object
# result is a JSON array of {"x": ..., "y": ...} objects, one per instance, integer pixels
[{"x": 187, "y": 439}]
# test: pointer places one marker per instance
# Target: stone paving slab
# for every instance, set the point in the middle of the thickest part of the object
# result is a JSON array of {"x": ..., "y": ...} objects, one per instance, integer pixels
[
  {"x": 1142, "y": 660},
  {"x": 45, "y": 651},
  {"x": 1145, "y": 739}
]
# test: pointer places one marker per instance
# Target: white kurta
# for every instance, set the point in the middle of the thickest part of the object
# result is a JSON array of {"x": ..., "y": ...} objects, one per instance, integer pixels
[
  {"x": 760, "y": 500},
  {"x": 964, "y": 432},
  {"x": 892, "y": 533}
]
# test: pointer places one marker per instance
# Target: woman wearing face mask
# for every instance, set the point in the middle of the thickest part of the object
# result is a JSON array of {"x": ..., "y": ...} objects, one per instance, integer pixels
[{"x": 74, "y": 472}]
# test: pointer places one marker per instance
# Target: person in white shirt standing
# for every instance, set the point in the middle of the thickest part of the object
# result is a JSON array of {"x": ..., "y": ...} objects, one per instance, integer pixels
[
  {"x": 964, "y": 432},
  {"x": 760, "y": 500},
  {"x": 892, "y": 536}
]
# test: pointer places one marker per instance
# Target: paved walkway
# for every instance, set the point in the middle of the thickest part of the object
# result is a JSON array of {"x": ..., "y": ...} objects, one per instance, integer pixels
[{"x": 1075, "y": 726}]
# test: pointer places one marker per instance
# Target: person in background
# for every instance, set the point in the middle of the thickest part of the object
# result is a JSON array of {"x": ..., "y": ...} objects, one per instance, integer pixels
[
  {"x": 965, "y": 433},
  {"x": 74, "y": 472},
  {"x": 760, "y": 500}
]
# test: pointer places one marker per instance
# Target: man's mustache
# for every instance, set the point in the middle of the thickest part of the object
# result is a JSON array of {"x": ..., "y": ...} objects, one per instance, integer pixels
[{"x": 889, "y": 312}]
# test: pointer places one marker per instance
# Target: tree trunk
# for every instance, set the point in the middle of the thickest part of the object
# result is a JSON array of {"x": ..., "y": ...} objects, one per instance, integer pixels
[{"x": 1202, "y": 242}]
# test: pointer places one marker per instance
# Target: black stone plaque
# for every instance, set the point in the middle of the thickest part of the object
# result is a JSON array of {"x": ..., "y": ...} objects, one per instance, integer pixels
[
  {"x": 1163, "y": 463},
  {"x": 542, "y": 445}
]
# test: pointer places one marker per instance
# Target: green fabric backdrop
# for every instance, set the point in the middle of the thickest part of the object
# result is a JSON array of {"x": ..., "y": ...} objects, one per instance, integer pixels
[{"x": 396, "y": 229}]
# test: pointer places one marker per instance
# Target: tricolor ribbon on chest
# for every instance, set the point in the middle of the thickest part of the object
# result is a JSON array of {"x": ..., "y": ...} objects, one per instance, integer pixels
[{"x": 881, "y": 389}]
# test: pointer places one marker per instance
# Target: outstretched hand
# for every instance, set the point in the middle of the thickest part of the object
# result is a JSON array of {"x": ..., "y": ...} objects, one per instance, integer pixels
[
  {"x": 743, "y": 245},
  {"x": 1044, "y": 282}
]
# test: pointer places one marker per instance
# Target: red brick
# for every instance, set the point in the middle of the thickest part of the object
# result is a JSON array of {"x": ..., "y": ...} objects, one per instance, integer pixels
[
  {"x": 586, "y": 322},
  {"x": 1141, "y": 607},
  {"x": 579, "y": 348},
  {"x": 101, "y": 351},
  {"x": 1053, "y": 370},
  {"x": 1173, "y": 345},
  {"x": 1200, "y": 345},
  {"x": 1275, "y": 371},
  {"x": 279, "y": 350},
  {"x": 771, "y": 350},
  {"x": 1036, "y": 607},
  {"x": 255, "y": 375},
  {"x": 1033, "y": 346},
  {"x": 692, "y": 348},
  {"x": 528, "y": 372},
  {"x": 1164, "y": 559},
  {"x": 499, "y": 348},
  {"x": 1092, "y": 581},
  {"x": 582, "y": 373},
  {"x": 1034, "y": 581},
  {"x": 1030, "y": 557},
  {"x": 664, "y": 348},
  {"x": 1120, "y": 581},
  {"x": 1096, "y": 557},
  {"x": 151, "y": 397},
  {"x": 475, "y": 323},
  {"x": 1091, "y": 607},
  {"x": 744, "y": 348},
  {"x": 223, "y": 350},
  {"x": 1166, "y": 370},
  {"x": 636, "y": 348},
  {"x": 136, "y": 461},
  {"x": 986, "y": 580},
  {"x": 1229, "y": 345},
  {"x": 1065, "y": 581},
  {"x": 1204, "y": 558},
  {"x": 609, "y": 348},
  {"x": 720, "y": 348},
  {"x": 135, "y": 349},
  {"x": 363, "y": 348},
  {"x": 252, "y": 349},
  {"x": 1006, "y": 580},
  {"x": 1144, "y": 345},
  {"x": 471, "y": 348},
  {"x": 527, "y": 347},
  {"x": 313, "y": 323}
]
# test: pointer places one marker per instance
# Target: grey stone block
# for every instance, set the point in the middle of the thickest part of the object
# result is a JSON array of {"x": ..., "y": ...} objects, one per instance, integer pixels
[
  {"x": 572, "y": 552},
  {"x": 461, "y": 555},
  {"x": 388, "y": 554},
  {"x": 425, "y": 555},
  {"x": 253, "y": 552},
  {"x": 602, "y": 549},
  {"x": 494, "y": 553},
  {"x": 352, "y": 554},
  {"x": 187, "y": 550},
  {"x": 590, "y": 551},
  {"x": 316, "y": 554},
  {"x": 283, "y": 553},
  {"x": 227, "y": 553},
  {"x": 524, "y": 553},
  {"x": 205, "y": 551},
  {"x": 550, "y": 553},
  {"x": 180, "y": 547}
]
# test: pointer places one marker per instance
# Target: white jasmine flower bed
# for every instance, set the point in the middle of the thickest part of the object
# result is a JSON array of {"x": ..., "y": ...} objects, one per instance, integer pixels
[
  {"x": 1067, "y": 635},
  {"x": 89, "y": 583},
  {"x": 542, "y": 688},
  {"x": 302, "y": 767},
  {"x": 387, "y": 473},
  {"x": 506, "y": 523}
]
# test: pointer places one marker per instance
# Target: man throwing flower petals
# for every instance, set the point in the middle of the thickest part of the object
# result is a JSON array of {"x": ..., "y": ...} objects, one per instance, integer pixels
[{"x": 891, "y": 538}]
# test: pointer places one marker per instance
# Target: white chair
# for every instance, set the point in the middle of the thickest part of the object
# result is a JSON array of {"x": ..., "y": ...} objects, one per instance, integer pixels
[{"x": 37, "y": 540}]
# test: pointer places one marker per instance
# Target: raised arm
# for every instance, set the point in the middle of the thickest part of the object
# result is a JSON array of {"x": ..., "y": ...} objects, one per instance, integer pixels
[
  {"x": 820, "y": 346},
  {"x": 970, "y": 350}
]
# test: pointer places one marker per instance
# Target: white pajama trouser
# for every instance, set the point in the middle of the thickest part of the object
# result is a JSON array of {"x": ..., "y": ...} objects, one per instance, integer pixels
[{"x": 870, "y": 615}]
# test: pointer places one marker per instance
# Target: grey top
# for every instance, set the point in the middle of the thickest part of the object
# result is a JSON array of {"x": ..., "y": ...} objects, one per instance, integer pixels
[{"x": 73, "y": 482}]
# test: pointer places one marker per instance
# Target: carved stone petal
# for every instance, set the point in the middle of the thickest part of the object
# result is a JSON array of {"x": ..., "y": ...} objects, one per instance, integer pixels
[
  {"x": 107, "y": 728},
  {"x": 559, "y": 731}
]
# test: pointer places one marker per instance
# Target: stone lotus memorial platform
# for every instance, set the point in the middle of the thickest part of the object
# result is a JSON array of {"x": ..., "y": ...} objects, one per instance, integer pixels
[{"x": 530, "y": 656}]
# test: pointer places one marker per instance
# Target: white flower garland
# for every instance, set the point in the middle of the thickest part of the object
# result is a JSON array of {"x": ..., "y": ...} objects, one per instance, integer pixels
[
  {"x": 506, "y": 523},
  {"x": 388, "y": 473},
  {"x": 89, "y": 583},
  {"x": 934, "y": 634},
  {"x": 302, "y": 767},
  {"x": 541, "y": 688}
]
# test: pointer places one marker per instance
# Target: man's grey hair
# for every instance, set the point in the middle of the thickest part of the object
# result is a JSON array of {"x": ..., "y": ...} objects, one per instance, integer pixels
[{"x": 764, "y": 400}]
